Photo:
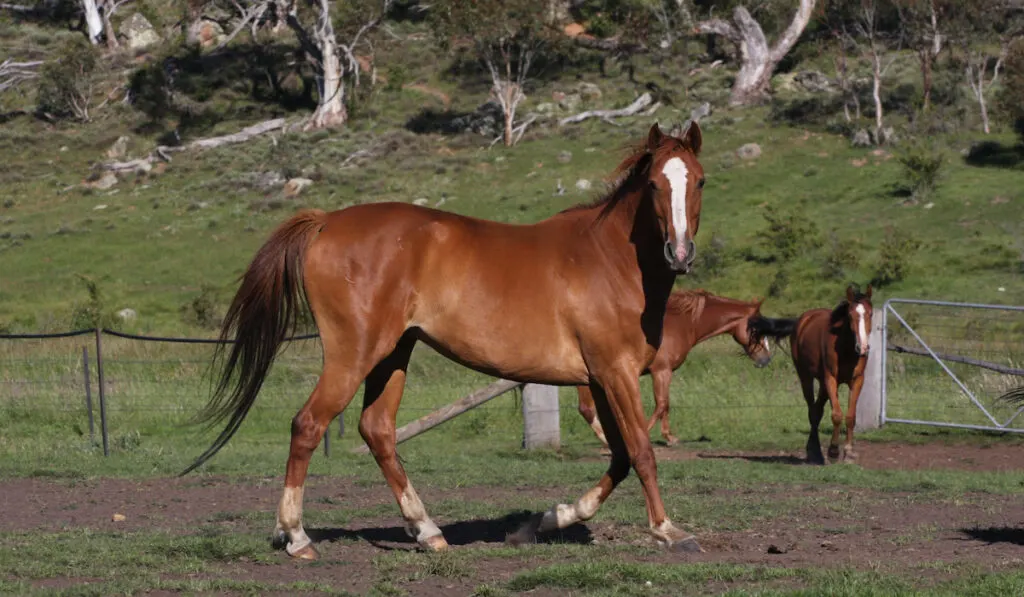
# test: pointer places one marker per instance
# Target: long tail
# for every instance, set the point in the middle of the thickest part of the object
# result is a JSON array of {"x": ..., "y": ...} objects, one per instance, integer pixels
[
  {"x": 263, "y": 313},
  {"x": 778, "y": 329},
  {"x": 1015, "y": 396}
]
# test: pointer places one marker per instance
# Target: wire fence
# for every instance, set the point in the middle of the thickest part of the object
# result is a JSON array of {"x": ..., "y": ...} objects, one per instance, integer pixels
[{"x": 121, "y": 389}]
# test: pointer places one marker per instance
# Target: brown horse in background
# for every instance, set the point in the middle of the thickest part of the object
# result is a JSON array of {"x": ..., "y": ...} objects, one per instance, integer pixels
[
  {"x": 691, "y": 317},
  {"x": 831, "y": 346},
  {"x": 576, "y": 299}
]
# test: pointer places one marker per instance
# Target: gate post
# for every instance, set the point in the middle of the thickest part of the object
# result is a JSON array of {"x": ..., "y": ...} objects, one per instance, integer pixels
[
  {"x": 869, "y": 405},
  {"x": 540, "y": 417}
]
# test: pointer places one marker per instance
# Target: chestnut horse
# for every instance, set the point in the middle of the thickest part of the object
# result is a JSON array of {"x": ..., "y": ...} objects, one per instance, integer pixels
[
  {"x": 831, "y": 346},
  {"x": 693, "y": 316},
  {"x": 575, "y": 299}
]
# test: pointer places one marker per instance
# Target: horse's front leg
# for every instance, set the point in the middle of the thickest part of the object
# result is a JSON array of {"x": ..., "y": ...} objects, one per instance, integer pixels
[{"x": 851, "y": 418}]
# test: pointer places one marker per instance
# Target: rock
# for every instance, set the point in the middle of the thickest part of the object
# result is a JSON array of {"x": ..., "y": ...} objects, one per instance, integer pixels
[
  {"x": 589, "y": 91},
  {"x": 546, "y": 108},
  {"x": 574, "y": 29},
  {"x": 775, "y": 549},
  {"x": 583, "y": 184},
  {"x": 293, "y": 187},
  {"x": 750, "y": 151},
  {"x": 119, "y": 518},
  {"x": 570, "y": 102},
  {"x": 127, "y": 315},
  {"x": 139, "y": 32},
  {"x": 119, "y": 149},
  {"x": 104, "y": 182},
  {"x": 100, "y": 207},
  {"x": 143, "y": 167},
  {"x": 813, "y": 81},
  {"x": 420, "y": 201},
  {"x": 565, "y": 157},
  {"x": 205, "y": 33},
  {"x": 487, "y": 120},
  {"x": 861, "y": 138}
]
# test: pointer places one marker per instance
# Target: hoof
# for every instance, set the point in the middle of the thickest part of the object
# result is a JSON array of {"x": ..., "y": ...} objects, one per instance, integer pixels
[
  {"x": 849, "y": 457},
  {"x": 308, "y": 553},
  {"x": 279, "y": 540},
  {"x": 671, "y": 440},
  {"x": 435, "y": 543},
  {"x": 688, "y": 545},
  {"x": 833, "y": 452}
]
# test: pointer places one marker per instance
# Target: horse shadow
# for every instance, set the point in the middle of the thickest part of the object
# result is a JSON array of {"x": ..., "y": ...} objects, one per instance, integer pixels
[
  {"x": 483, "y": 530},
  {"x": 1014, "y": 535},
  {"x": 779, "y": 459}
]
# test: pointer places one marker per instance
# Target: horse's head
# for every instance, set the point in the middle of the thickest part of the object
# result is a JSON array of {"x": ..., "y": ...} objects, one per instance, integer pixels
[
  {"x": 676, "y": 181},
  {"x": 858, "y": 314}
]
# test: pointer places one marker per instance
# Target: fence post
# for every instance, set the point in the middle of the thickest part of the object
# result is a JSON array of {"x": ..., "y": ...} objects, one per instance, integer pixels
[
  {"x": 88, "y": 392},
  {"x": 540, "y": 417},
  {"x": 869, "y": 405},
  {"x": 103, "y": 401}
]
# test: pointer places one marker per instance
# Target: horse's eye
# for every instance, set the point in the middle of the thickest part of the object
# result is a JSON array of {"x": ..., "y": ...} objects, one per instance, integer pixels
[{"x": 700, "y": 184}]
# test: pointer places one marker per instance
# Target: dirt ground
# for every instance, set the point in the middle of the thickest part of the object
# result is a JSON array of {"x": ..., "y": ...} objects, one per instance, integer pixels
[{"x": 886, "y": 527}]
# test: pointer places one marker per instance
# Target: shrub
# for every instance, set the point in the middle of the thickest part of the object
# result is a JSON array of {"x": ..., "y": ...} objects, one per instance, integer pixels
[
  {"x": 788, "y": 234},
  {"x": 894, "y": 257},
  {"x": 65, "y": 83},
  {"x": 922, "y": 165},
  {"x": 841, "y": 258},
  {"x": 1011, "y": 98},
  {"x": 202, "y": 310},
  {"x": 711, "y": 259},
  {"x": 93, "y": 312}
]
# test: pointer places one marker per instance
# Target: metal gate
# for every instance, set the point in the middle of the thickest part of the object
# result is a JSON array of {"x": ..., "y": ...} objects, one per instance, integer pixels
[{"x": 945, "y": 363}]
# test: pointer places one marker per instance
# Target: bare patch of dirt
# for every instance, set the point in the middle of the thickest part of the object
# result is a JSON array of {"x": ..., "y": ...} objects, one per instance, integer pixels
[{"x": 836, "y": 527}]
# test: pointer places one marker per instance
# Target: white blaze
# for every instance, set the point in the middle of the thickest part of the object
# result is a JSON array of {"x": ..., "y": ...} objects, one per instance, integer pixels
[
  {"x": 861, "y": 332},
  {"x": 676, "y": 173}
]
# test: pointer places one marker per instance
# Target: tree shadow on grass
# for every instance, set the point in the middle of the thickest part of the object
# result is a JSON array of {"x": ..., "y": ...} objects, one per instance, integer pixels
[
  {"x": 1014, "y": 535},
  {"x": 767, "y": 459},
  {"x": 484, "y": 530},
  {"x": 993, "y": 154}
]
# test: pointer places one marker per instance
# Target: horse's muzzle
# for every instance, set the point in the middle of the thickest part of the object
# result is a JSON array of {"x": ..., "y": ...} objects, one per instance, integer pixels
[{"x": 684, "y": 265}]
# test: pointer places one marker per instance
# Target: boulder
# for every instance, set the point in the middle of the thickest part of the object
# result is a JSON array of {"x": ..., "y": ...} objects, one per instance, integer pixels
[
  {"x": 862, "y": 138},
  {"x": 750, "y": 151},
  {"x": 119, "y": 149},
  {"x": 294, "y": 186},
  {"x": 205, "y": 33},
  {"x": 139, "y": 32}
]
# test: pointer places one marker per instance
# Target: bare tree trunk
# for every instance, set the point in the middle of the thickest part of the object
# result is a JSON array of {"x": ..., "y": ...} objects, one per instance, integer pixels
[
  {"x": 109, "y": 7},
  {"x": 925, "y": 56},
  {"x": 757, "y": 59},
  {"x": 93, "y": 21},
  {"x": 876, "y": 90},
  {"x": 330, "y": 110}
]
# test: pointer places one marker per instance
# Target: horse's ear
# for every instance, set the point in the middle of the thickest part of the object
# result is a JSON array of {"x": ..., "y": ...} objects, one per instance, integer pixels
[
  {"x": 868, "y": 293},
  {"x": 692, "y": 137},
  {"x": 849, "y": 294},
  {"x": 654, "y": 138}
]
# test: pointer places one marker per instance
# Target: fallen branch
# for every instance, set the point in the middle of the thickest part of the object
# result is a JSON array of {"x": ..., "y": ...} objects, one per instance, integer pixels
[
  {"x": 517, "y": 132},
  {"x": 14, "y": 73},
  {"x": 162, "y": 152},
  {"x": 638, "y": 105}
]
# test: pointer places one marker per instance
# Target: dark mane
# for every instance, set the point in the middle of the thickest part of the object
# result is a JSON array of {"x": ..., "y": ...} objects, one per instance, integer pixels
[
  {"x": 638, "y": 162},
  {"x": 839, "y": 314}
]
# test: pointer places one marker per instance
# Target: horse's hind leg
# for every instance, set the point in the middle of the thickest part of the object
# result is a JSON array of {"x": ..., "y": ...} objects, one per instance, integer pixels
[
  {"x": 587, "y": 410},
  {"x": 662, "y": 380},
  {"x": 384, "y": 388},
  {"x": 815, "y": 409},
  {"x": 332, "y": 394},
  {"x": 851, "y": 418}
]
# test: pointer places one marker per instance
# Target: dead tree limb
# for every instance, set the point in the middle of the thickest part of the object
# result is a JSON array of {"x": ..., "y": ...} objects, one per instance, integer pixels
[
  {"x": 14, "y": 73},
  {"x": 636, "y": 107},
  {"x": 163, "y": 152}
]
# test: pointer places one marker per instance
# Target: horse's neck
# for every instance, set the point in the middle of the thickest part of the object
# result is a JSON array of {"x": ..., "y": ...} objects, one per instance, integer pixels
[{"x": 717, "y": 317}]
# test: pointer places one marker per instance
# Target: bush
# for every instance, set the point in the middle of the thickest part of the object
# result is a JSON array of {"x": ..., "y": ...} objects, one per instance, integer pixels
[
  {"x": 65, "y": 84},
  {"x": 894, "y": 257},
  {"x": 922, "y": 165},
  {"x": 711, "y": 259},
  {"x": 788, "y": 235},
  {"x": 840, "y": 260},
  {"x": 93, "y": 312},
  {"x": 202, "y": 310}
]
